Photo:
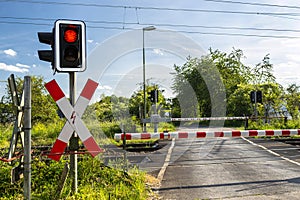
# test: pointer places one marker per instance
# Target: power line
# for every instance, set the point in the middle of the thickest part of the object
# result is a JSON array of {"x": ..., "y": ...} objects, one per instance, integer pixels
[
  {"x": 145, "y": 24},
  {"x": 224, "y": 27},
  {"x": 158, "y": 8},
  {"x": 236, "y": 34},
  {"x": 254, "y": 4},
  {"x": 54, "y": 19},
  {"x": 24, "y": 23},
  {"x": 64, "y": 3},
  {"x": 179, "y": 31}
]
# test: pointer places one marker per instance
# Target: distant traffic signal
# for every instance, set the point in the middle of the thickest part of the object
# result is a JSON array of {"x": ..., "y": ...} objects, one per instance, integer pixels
[
  {"x": 259, "y": 96},
  {"x": 256, "y": 96},
  {"x": 68, "y": 46},
  {"x": 252, "y": 96},
  {"x": 153, "y": 96}
]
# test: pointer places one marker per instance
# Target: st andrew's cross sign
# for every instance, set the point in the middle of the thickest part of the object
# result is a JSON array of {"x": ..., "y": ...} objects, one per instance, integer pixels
[{"x": 73, "y": 116}]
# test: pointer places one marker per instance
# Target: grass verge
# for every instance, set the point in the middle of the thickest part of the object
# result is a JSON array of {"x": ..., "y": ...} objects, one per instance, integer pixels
[{"x": 95, "y": 181}]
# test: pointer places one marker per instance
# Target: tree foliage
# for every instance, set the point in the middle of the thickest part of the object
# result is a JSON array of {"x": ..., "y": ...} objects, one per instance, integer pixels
[
  {"x": 238, "y": 81},
  {"x": 292, "y": 97},
  {"x": 198, "y": 87},
  {"x": 136, "y": 101},
  {"x": 43, "y": 108}
]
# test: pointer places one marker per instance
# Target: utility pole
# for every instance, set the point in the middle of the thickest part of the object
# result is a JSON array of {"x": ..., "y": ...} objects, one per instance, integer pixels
[
  {"x": 255, "y": 104},
  {"x": 149, "y": 28}
]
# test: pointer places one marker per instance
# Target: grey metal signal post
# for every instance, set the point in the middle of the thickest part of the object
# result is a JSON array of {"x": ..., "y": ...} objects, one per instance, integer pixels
[{"x": 74, "y": 138}]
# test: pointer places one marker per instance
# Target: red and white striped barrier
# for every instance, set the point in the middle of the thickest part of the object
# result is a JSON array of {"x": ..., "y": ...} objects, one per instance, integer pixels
[
  {"x": 73, "y": 115},
  {"x": 208, "y": 118},
  {"x": 219, "y": 118},
  {"x": 206, "y": 134}
]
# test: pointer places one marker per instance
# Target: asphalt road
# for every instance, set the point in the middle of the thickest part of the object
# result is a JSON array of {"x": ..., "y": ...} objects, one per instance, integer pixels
[{"x": 231, "y": 168}]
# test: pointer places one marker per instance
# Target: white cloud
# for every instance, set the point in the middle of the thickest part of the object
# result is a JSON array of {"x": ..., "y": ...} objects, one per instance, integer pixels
[
  {"x": 10, "y": 52},
  {"x": 104, "y": 87},
  {"x": 22, "y": 65},
  {"x": 12, "y": 68},
  {"x": 90, "y": 41}
]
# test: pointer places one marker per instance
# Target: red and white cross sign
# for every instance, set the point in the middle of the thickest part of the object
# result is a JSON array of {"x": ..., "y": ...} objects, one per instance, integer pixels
[{"x": 73, "y": 115}]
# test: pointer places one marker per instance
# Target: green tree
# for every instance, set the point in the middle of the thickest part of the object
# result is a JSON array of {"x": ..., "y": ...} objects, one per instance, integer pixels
[
  {"x": 231, "y": 68},
  {"x": 192, "y": 92},
  {"x": 136, "y": 101},
  {"x": 263, "y": 72},
  {"x": 6, "y": 111},
  {"x": 102, "y": 109},
  {"x": 292, "y": 98},
  {"x": 272, "y": 98},
  {"x": 203, "y": 75},
  {"x": 43, "y": 107},
  {"x": 239, "y": 102},
  {"x": 237, "y": 79},
  {"x": 235, "y": 76},
  {"x": 264, "y": 80}
]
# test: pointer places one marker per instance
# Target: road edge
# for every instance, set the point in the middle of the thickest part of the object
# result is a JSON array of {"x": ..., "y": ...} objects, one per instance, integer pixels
[{"x": 162, "y": 171}]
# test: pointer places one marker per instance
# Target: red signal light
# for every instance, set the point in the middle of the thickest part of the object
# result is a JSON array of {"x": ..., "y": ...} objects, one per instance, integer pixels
[
  {"x": 70, "y": 35},
  {"x": 69, "y": 46}
]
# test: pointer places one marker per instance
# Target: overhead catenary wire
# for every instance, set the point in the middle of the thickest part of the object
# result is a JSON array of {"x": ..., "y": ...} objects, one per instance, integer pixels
[
  {"x": 121, "y": 6},
  {"x": 32, "y": 21},
  {"x": 179, "y": 31},
  {"x": 155, "y": 24},
  {"x": 184, "y": 28},
  {"x": 156, "y": 8},
  {"x": 254, "y": 4}
]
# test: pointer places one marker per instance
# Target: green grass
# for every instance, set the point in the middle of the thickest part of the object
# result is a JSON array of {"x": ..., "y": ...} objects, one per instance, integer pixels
[{"x": 95, "y": 181}]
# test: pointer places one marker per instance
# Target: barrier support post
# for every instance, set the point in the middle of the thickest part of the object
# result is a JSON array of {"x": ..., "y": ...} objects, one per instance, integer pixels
[
  {"x": 124, "y": 148},
  {"x": 246, "y": 123}
]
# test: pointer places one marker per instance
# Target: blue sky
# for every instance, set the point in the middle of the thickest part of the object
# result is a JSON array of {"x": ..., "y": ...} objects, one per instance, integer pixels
[{"x": 114, "y": 35}]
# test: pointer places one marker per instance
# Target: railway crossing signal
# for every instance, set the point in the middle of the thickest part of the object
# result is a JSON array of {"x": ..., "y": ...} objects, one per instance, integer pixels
[
  {"x": 68, "y": 46},
  {"x": 71, "y": 46},
  {"x": 73, "y": 116}
]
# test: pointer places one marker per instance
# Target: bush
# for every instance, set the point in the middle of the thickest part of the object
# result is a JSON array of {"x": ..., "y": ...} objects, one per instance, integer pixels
[
  {"x": 274, "y": 124},
  {"x": 5, "y": 134},
  {"x": 110, "y": 128},
  {"x": 46, "y": 134}
]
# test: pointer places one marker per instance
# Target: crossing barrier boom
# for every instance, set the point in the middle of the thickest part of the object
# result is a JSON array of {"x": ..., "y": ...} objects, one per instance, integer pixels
[{"x": 205, "y": 134}]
